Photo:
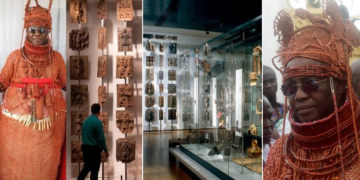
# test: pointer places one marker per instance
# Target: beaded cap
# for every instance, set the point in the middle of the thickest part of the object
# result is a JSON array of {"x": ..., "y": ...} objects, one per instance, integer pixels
[
  {"x": 37, "y": 15},
  {"x": 328, "y": 39}
]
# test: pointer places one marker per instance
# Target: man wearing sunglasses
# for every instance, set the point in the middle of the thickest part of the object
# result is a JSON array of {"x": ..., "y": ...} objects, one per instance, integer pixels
[
  {"x": 324, "y": 111},
  {"x": 32, "y": 117}
]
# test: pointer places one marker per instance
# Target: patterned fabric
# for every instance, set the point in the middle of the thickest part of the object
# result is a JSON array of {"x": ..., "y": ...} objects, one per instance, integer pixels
[{"x": 278, "y": 113}]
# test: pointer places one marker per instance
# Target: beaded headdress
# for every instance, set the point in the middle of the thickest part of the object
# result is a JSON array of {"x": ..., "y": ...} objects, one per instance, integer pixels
[
  {"x": 329, "y": 40},
  {"x": 37, "y": 15}
]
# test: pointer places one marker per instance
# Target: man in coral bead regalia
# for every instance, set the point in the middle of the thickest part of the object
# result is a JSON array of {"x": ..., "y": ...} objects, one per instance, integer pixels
[
  {"x": 324, "y": 112},
  {"x": 32, "y": 120}
]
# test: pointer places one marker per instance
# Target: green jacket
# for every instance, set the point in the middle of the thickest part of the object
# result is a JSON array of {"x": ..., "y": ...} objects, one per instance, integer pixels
[{"x": 93, "y": 133}]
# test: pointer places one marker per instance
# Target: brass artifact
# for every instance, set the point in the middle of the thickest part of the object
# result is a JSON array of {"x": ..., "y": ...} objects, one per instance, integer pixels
[
  {"x": 161, "y": 114},
  {"x": 124, "y": 67},
  {"x": 125, "y": 121},
  {"x": 79, "y": 95},
  {"x": 161, "y": 88},
  {"x": 102, "y": 10},
  {"x": 149, "y": 101},
  {"x": 150, "y": 74},
  {"x": 150, "y": 60},
  {"x": 172, "y": 62},
  {"x": 104, "y": 121},
  {"x": 172, "y": 48},
  {"x": 78, "y": 40},
  {"x": 102, "y": 38},
  {"x": 172, "y": 101},
  {"x": 161, "y": 101},
  {"x": 124, "y": 10},
  {"x": 102, "y": 64},
  {"x": 125, "y": 149},
  {"x": 78, "y": 11},
  {"x": 125, "y": 39},
  {"x": 149, "y": 115},
  {"x": 171, "y": 88},
  {"x": 79, "y": 68},
  {"x": 77, "y": 119},
  {"x": 172, "y": 114},
  {"x": 76, "y": 152},
  {"x": 149, "y": 89},
  {"x": 125, "y": 95},
  {"x": 254, "y": 151},
  {"x": 102, "y": 95},
  {"x": 172, "y": 75}
]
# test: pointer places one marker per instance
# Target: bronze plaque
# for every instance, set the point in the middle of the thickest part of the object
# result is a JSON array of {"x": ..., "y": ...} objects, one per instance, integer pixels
[
  {"x": 76, "y": 152},
  {"x": 149, "y": 115},
  {"x": 150, "y": 60},
  {"x": 161, "y": 75},
  {"x": 172, "y": 101},
  {"x": 161, "y": 114},
  {"x": 102, "y": 10},
  {"x": 161, "y": 47},
  {"x": 102, "y": 64},
  {"x": 104, "y": 121},
  {"x": 161, "y": 60},
  {"x": 125, "y": 95},
  {"x": 161, "y": 101},
  {"x": 149, "y": 89},
  {"x": 124, "y": 66},
  {"x": 171, "y": 88},
  {"x": 77, "y": 119},
  {"x": 102, "y": 95},
  {"x": 79, "y": 95},
  {"x": 124, "y": 10},
  {"x": 172, "y": 62},
  {"x": 150, "y": 46},
  {"x": 125, "y": 121},
  {"x": 172, "y": 48},
  {"x": 172, "y": 114},
  {"x": 149, "y": 101},
  {"x": 102, "y": 38},
  {"x": 150, "y": 74},
  {"x": 79, "y": 68},
  {"x": 125, "y": 39},
  {"x": 172, "y": 75},
  {"x": 78, "y": 11},
  {"x": 125, "y": 149},
  {"x": 78, "y": 40},
  {"x": 161, "y": 88}
]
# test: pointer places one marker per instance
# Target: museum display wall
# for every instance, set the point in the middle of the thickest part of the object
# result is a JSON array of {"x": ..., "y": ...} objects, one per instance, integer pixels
[
  {"x": 164, "y": 88},
  {"x": 226, "y": 134},
  {"x": 105, "y": 59}
]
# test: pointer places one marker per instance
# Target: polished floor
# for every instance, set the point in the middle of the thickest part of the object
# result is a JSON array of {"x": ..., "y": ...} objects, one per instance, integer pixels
[{"x": 157, "y": 165}]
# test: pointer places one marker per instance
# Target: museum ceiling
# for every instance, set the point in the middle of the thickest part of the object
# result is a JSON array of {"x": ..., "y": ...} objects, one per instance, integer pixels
[{"x": 203, "y": 15}]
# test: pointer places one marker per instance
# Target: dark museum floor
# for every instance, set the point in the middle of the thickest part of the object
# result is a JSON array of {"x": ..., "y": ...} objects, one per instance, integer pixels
[{"x": 156, "y": 157}]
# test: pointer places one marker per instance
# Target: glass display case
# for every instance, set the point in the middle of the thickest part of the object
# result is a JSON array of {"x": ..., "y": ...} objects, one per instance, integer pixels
[{"x": 219, "y": 102}]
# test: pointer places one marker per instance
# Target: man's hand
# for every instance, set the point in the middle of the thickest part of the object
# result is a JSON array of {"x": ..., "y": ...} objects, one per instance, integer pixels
[{"x": 107, "y": 154}]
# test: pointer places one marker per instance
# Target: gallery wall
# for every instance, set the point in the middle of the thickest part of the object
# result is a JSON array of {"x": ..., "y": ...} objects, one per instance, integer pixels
[
  {"x": 112, "y": 168},
  {"x": 186, "y": 41}
]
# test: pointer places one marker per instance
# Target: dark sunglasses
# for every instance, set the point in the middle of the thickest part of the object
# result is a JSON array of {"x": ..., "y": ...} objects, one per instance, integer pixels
[
  {"x": 308, "y": 86},
  {"x": 41, "y": 30}
]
